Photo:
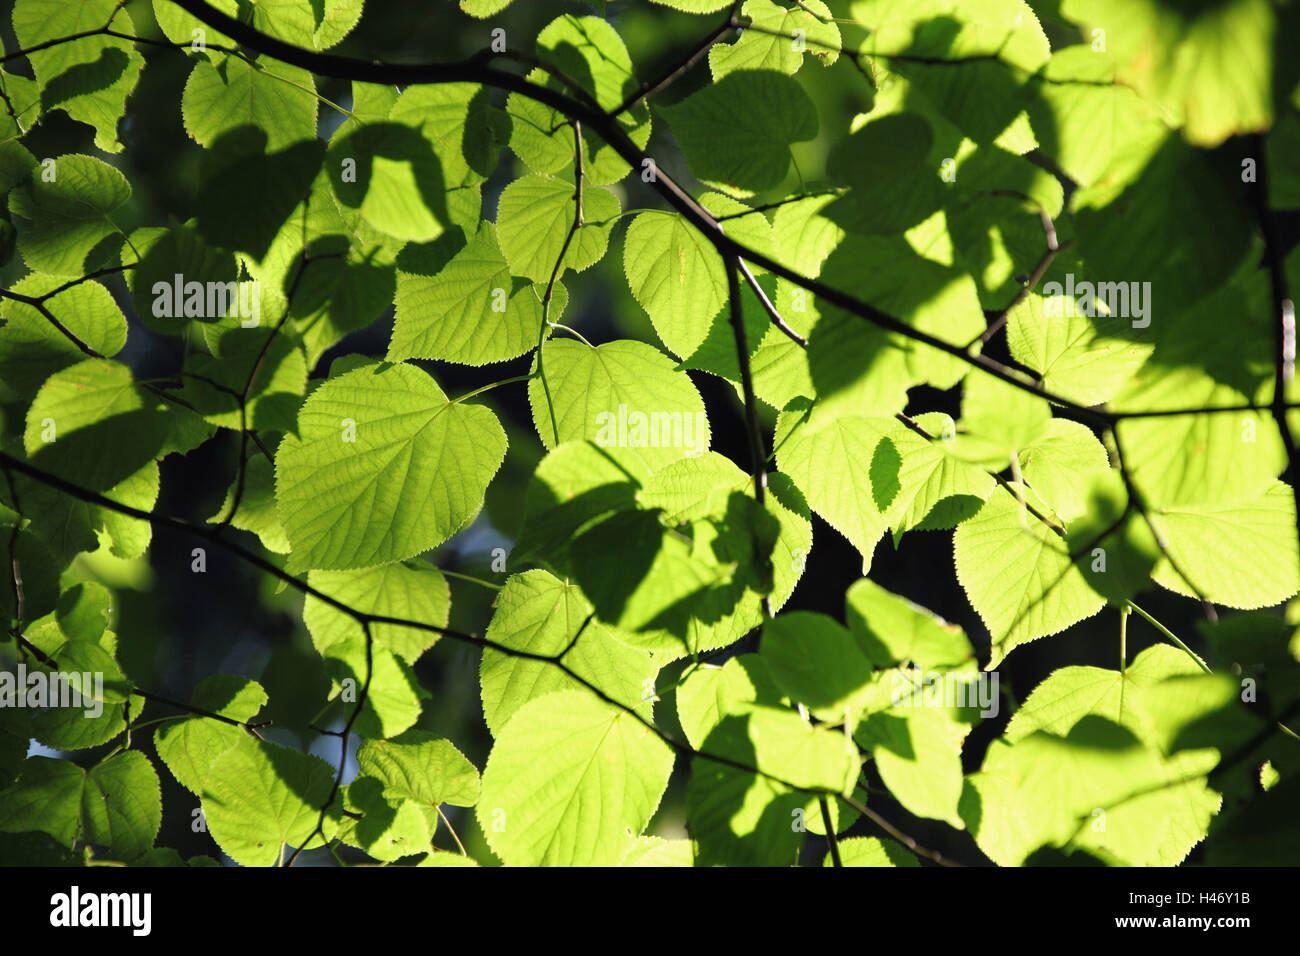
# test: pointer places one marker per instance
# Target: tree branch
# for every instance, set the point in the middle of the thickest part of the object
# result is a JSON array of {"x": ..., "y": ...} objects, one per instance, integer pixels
[{"x": 1283, "y": 308}]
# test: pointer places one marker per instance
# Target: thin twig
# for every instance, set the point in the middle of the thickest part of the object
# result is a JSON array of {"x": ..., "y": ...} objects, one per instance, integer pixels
[{"x": 682, "y": 66}]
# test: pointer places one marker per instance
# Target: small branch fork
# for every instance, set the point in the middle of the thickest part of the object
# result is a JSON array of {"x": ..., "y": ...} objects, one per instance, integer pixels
[
  {"x": 558, "y": 268},
  {"x": 1283, "y": 308}
]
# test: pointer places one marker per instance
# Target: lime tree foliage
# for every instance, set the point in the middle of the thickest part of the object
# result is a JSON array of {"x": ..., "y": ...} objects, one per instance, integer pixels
[{"x": 1013, "y": 274}]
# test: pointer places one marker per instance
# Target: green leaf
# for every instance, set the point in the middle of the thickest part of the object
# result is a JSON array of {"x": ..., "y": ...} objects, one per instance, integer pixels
[
  {"x": 445, "y": 858},
  {"x": 1259, "y": 833},
  {"x": 694, "y": 6},
  {"x": 389, "y": 828},
  {"x": 90, "y": 668},
  {"x": 576, "y": 485},
  {"x": 802, "y": 237},
  {"x": 1018, "y": 576},
  {"x": 622, "y": 394},
  {"x": 403, "y": 782},
  {"x": 568, "y": 779},
  {"x": 63, "y": 222},
  {"x": 340, "y": 496},
  {"x": 179, "y": 26},
  {"x": 779, "y": 366},
  {"x": 778, "y": 39},
  {"x": 35, "y": 849},
  {"x": 816, "y": 662},
  {"x": 746, "y": 224},
  {"x": 90, "y": 79},
  {"x": 347, "y": 284},
  {"x": 1000, "y": 41},
  {"x": 936, "y": 490},
  {"x": 710, "y": 693},
  {"x": 409, "y": 591},
  {"x": 1071, "y": 693},
  {"x": 258, "y": 368},
  {"x": 389, "y": 174},
  {"x": 998, "y": 421},
  {"x": 455, "y": 119},
  {"x": 206, "y": 289},
  {"x": 872, "y": 851},
  {"x": 537, "y": 613},
  {"x": 1189, "y": 60},
  {"x": 677, "y": 277},
  {"x": 738, "y": 817},
  {"x": 657, "y": 852},
  {"x": 918, "y": 755},
  {"x": 393, "y": 700},
  {"x": 891, "y": 186},
  {"x": 84, "y": 611},
  {"x": 482, "y": 9},
  {"x": 191, "y": 746},
  {"x": 39, "y": 567},
  {"x": 227, "y": 92},
  {"x": 260, "y": 797},
  {"x": 1097, "y": 130},
  {"x": 589, "y": 52},
  {"x": 1242, "y": 554},
  {"x": 852, "y": 498},
  {"x": 307, "y": 24},
  {"x": 257, "y": 512},
  {"x": 535, "y": 216},
  {"x": 1168, "y": 227},
  {"x": 13, "y": 751},
  {"x": 421, "y": 767},
  {"x": 116, "y": 804},
  {"x": 1113, "y": 542},
  {"x": 269, "y": 185},
  {"x": 1061, "y": 463},
  {"x": 785, "y": 746},
  {"x": 31, "y": 349},
  {"x": 689, "y": 571},
  {"x": 91, "y": 424},
  {"x": 674, "y": 573},
  {"x": 16, "y": 161},
  {"x": 743, "y": 151},
  {"x": 858, "y": 368},
  {"x": 1195, "y": 459},
  {"x": 892, "y": 630},
  {"x": 472, "y": 312},
  {"x": 1097, "y": 788},
  {"x": 1087, "y": 360}
]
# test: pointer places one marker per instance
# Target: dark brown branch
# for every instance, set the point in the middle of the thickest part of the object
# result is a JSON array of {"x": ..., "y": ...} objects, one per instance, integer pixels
[
  {"x": 1283, "y": 308},
  {"x": 343, "y": 746},
  {"x": 758, "y": 458},
  {"x": 38, "y": 303},
  {"x": 97, "y": 274},
  {"x": 574, "y": 226},
  {"x": 769, "y": 308},
  {"x": 752, "y": 431},
  {"x": 244, "y": 725},
  {"x": 1044, "y": 263},
  {"x": 683, "y": 66},
  {"x": 898, "y": 834},
  {"x": 303, "y": 260}
]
